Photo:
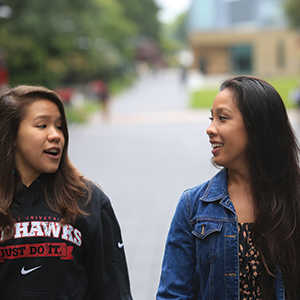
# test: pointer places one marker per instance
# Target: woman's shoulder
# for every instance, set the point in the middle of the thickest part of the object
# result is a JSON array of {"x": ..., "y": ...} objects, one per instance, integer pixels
[
  {"x": 202, "y": 201},
  {"x": 211, "y": 189},
  {"x": 97, "y": 195},
  {"x": 95, "y": 187}
]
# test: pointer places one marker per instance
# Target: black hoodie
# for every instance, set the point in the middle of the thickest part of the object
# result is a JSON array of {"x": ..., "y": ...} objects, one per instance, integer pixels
[{"x": 80, "y": 261}]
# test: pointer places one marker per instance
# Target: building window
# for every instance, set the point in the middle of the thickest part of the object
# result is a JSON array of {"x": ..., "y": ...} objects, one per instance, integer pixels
[
  {"x": 280, "y": 54},
  {"x": 241, "y": 59}
]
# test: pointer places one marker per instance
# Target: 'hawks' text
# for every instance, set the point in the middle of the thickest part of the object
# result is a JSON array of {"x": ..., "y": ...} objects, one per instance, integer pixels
[{"x": 47, "y": 229}]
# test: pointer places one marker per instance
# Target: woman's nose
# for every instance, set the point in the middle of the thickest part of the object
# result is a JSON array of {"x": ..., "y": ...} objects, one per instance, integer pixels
[
  {"x": 211, "y": 130},
  {"x": 54, "y": 134}
]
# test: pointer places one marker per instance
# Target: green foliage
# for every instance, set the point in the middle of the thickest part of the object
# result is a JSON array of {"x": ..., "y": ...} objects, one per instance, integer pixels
[
  {"x": 174, "y": 38},
  {"x": 177, "y": 29},
  {"x": 35, "y": 37},
  {"x": 292, "y": 12},
  {"x": 143, "y": 13},
  {"x": 62, "y": 42}
]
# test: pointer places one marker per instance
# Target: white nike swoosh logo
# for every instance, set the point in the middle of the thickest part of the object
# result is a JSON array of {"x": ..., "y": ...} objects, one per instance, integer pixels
[
  {"x": 25, "y": 272},
  {"x": 120, "y": 245}
]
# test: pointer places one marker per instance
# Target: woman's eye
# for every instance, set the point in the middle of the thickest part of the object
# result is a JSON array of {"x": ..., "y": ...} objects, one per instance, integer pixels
[
  {"x": 41, "y": 126},
  {"x": 222, "y": 118},
  {"x": 210, "y": 118},
  {"x": 59, "y": 127}
]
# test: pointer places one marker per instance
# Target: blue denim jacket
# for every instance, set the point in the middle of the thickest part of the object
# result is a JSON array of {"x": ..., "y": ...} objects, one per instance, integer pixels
[{"x": 201, "y": 259}]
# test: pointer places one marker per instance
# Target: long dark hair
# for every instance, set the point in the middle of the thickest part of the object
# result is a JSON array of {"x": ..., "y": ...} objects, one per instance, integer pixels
[
  {"x": 64, "y": 190},
  {"x": 273, "y": 159}
]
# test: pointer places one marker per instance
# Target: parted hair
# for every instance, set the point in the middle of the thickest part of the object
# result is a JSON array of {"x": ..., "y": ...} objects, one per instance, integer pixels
[
  {"x": 65, "y": 190},
  {"x": 273, "y": 159}
]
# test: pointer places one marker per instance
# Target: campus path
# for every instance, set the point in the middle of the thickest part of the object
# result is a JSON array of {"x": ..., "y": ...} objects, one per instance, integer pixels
[{"x": 152, "y": 149}]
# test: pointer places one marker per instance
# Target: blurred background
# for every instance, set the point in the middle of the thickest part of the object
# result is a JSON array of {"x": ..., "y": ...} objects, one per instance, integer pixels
[
  {"x": 66, "y": 45},
  {"x": 138, "y": 78}
]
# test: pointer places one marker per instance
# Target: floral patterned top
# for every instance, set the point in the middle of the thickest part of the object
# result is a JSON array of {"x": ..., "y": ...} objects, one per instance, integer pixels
[{"x": 249, "y": 265}]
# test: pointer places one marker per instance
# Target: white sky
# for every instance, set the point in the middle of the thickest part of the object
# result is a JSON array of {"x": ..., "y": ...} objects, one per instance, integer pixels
[{"x": 171, "y": 8}]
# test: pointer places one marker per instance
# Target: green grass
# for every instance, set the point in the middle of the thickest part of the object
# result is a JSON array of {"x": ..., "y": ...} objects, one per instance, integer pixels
[
  {"x": 204, "y": 98},
  {"x": 120, "y": 84},
  {"x": 81, "y": 114},
  {"x": 283, "y": 87}
]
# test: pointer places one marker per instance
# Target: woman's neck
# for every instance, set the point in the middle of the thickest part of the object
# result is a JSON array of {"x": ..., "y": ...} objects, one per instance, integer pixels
[
  {"x": 240, "y": 193},
  {"x": 240, "y": 177}
]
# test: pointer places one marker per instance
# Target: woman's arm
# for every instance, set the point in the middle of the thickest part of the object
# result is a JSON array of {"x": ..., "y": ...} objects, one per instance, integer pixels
[
  {"x": 178, "y": 269},
  {"x": 105, "y": 260}
]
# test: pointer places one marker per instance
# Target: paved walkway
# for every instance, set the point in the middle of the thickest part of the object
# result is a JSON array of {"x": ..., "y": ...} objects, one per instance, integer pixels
[{"x": 150, "y": 151}]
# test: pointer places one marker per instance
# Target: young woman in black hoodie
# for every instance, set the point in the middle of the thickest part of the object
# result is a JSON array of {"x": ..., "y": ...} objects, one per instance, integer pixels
[{"x": 60, "y": 238}]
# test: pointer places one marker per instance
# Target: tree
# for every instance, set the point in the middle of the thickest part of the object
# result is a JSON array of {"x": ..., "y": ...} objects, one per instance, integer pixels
[
  {"x": 175, "y": 38},
  {"x": 39, "y": 37},
  {"x": 292, "y": 12},
  {"x": 144, "y": 14},
  {"x": 66, "y": 41}
]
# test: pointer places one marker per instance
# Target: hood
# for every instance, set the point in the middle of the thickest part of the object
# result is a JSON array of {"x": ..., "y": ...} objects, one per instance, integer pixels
[{"x": 29, "y": 196}]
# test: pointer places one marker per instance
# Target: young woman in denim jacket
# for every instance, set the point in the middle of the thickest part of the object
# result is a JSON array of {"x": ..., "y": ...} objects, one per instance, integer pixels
[{"x": 237, "y": 235}]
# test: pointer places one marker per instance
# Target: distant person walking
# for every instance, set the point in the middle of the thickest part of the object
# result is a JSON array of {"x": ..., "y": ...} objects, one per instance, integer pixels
[
  {"x": 237, "y": 236},
  {"x": 60, "y": 238},
  {"x": 100, "y": 90}
]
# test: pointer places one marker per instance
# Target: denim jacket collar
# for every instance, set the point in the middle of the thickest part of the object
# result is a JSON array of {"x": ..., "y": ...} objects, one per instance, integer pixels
[{"x": 217, "y": 187}]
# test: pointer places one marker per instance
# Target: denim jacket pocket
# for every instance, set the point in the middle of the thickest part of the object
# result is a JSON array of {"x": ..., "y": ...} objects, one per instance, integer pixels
[{"x": 207, "y": 242}]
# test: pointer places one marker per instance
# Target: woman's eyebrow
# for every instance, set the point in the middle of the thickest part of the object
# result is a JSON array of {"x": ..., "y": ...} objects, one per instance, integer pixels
[
  {"x": 221, "y": 109},
  {"x": 42, "y": 117}
]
